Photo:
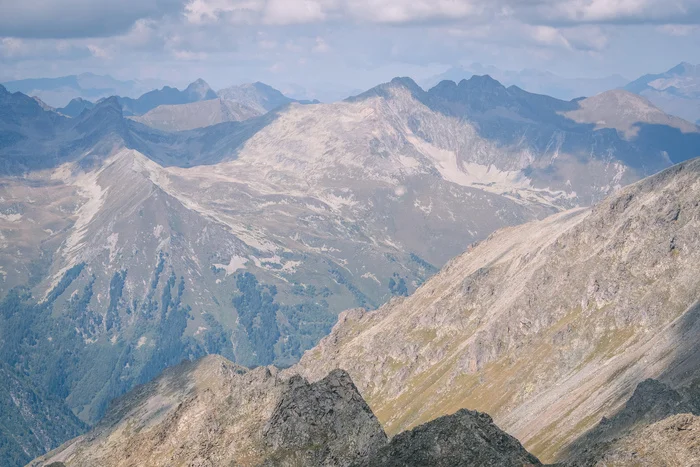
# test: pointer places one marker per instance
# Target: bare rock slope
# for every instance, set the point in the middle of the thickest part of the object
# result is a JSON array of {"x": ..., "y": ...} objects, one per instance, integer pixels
[
  {"x": 548, "y": 326},
  {"x": 465, "y": 438},
  {"x": 196, "y": 115},
  {"x": 215, "y": 413}
]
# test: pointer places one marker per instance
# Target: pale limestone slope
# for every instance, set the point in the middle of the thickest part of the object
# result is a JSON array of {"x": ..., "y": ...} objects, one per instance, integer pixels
[{"x": 196, "y": 115}]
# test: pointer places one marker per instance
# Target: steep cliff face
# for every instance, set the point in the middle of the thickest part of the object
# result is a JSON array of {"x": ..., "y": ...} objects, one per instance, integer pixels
[{"x": 547, "y": 326}]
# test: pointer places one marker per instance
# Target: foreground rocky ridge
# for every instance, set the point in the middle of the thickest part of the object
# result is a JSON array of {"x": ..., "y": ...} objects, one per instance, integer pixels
[
  {"x": 466, "y": 438},
  {"x": 214, "y": 413},
  {"x": 548, "y": 326}
]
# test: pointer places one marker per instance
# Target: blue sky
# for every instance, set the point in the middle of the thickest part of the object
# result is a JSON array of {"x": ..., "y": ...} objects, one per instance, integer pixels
[{"x": 350, "y": 44}]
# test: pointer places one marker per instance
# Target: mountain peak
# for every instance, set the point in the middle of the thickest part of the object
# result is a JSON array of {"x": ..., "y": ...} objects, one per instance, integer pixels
[
  {"x": 682, "y": 68},
  {"x": 109, "y": 102},
  {"x": 200, "y": 90},
  {"x": 105, "y": 116},
  {"x": 406, "y": 82},
  {"x": 383, "y": 89},
  {"x": 482, "y": 82}
]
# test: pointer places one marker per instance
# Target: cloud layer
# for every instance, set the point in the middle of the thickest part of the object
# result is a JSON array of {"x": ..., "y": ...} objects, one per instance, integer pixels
[{"x": 338, "y": 39}]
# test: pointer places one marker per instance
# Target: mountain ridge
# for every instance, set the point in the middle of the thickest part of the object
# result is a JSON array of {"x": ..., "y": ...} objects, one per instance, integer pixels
[
  {"x": 213, "y": 412},
  {"x": 545, "y": 377},
  {"x": 676, "y": 91},
  {"x": 146, "y": 247}
]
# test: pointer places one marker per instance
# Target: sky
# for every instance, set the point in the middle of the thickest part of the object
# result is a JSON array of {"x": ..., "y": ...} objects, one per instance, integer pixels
[{"x": 343, "y": 44}]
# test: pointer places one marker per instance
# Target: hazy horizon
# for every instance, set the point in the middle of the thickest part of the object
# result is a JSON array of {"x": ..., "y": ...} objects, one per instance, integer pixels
[{"x": 343, "y": 44}]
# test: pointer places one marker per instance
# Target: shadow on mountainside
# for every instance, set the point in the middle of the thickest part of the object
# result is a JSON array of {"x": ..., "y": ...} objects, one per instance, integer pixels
[
  {"x": 675, "y": 391},
  {"x": 33, "y": 138},
  {"x": 516, "y": 118},
  {"x": 204, "y": 146}
]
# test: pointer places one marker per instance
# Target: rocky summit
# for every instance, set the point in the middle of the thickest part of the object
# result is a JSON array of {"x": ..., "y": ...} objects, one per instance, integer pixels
[{"x": 215, "y": 413}]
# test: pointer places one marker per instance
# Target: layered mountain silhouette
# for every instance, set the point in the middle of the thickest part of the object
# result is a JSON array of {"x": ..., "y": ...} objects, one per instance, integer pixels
[
  {"x": 676, "y": 91},
  {"x": 195, "y": 92},
  {"x": 537, "y": 81},
  {"x": 236, "y": 103},
  {"x": 57, "y": 92},
  {"x": 75, "y": 107},
  {"x": 126, "y": 249}
]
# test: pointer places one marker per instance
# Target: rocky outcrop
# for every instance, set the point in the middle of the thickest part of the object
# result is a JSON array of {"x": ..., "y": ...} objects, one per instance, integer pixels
[
  {"x": 213, "y": 413},
  {"x": 323, "y": 424},
  {"x": 466, "y": 438},
  {"x": 651, "y": 413},
  {"x": 672, "y": 442}
]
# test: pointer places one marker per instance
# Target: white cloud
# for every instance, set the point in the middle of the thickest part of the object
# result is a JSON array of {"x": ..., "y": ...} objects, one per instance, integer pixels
[
  {"x": 613, "y": 11},
  {"x": 321, "y": 46},
  {"x": 78, "y": 18},
  {"x": 404, "y": 11},
  {"x": 270, "y": 12},
  {"x": 536, "y": 12},
  {"x": 98, "y": 52}
]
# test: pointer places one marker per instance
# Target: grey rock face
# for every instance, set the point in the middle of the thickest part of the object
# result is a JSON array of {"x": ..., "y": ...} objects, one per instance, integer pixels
[
  {"x": 325, "y": 424},
  {"x": 467, "y": 438},
  {"x": 196, "y": 115}
]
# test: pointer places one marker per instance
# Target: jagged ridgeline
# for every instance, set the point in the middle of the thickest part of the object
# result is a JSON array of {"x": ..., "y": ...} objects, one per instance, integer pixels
[
  {"x": 125, "y": 249},
  {"x": 215, "y": 413}
]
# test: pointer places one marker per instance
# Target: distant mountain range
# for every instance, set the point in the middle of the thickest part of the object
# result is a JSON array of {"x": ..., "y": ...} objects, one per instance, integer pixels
[
  {"x": 195, "y": 92},
  {"x": 197, "y": 106},
  {"x": 676, "y": 91},
  {"x": 125, "y": 249},
  {"x": 236, "y": 103},
  {"x": 58, "y": 92},
  {"x": 535, "y": 81}
]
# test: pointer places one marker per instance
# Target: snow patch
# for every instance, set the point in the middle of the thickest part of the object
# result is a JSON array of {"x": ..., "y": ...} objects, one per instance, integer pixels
[
  {"x": 369, "y": 275},
  {"x": 236, "y": 263},
  {"x": 11, "y": 217}
]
